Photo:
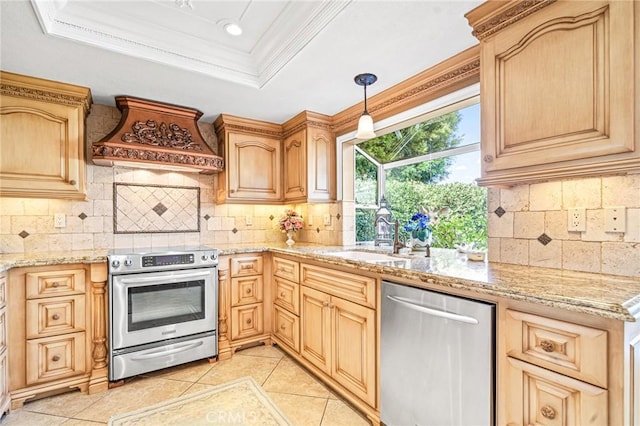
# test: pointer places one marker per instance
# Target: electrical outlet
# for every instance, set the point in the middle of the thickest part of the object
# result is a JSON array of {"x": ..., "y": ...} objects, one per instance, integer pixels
[
  {"x": 327, "y": 220},
  {"x": 59, "y": 220},
  {"x": 577, "y": 220},
  {"x": 248, "y": 220},
  {"x": 615, "y": 219}
]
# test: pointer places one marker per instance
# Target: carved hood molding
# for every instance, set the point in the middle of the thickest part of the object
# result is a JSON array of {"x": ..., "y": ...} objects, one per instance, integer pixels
[{"x": 156, "y": 135}]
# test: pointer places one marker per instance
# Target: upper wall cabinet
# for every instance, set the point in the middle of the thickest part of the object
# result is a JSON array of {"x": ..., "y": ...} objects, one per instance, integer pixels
[
  {"x": 557, "y": 86},
  {"x": 253, "y": 155},
  {"x": 42, "y": 129},
  {"x": 309, "y": 158}
]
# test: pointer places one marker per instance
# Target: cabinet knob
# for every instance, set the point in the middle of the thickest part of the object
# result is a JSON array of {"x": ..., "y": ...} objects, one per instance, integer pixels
[
  {"x": 56, "y": 317},
  {"x": 282, "y": 294},
  {"x": 248, "y": 291},
  {"x": 282, "y": 327},
  {"x": 488, "y": 158},
  {"x": 249, "y": 321},
  {"x": 547, "y": 346},
  {"x": 548, "y": 412},
  {"x": 72, "y": 182},
  {"x": 55, "y": 358}
]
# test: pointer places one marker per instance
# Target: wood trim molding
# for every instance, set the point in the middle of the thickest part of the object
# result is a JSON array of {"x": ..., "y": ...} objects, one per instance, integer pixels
[
  {"x": 446, "y": 77},
  {"x": 305, "y": 120},
  {"x": 23, "y": 86},
  {"x": 492, "y": 16},
  {"x": 245, "y": 125}
]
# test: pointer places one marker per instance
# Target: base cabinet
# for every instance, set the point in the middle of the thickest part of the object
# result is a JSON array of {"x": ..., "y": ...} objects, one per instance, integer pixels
[
  {"x": 56, "y": 335},
  {"x": 5, "y": 398}
]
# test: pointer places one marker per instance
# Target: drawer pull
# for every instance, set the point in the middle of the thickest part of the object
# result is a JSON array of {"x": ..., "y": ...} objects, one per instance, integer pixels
[
  {"x": 547, "y": 346},
  {"x": 282, "y": 327},
  {"x": 55, "y": 284},
  {"x": 548, "y": 412},
  {"x": 55, "y": 317},
  {"x": 282, "y": 294},
  {"x": 249, "y": 321},
  {"x": 55, "y": 358},
  {"x": 248, "y": 291},
  {"x": 248, "y": 266}
]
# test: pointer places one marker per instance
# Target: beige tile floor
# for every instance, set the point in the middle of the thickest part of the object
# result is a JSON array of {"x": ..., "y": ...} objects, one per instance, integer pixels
[{"x": 300, "y": 396}]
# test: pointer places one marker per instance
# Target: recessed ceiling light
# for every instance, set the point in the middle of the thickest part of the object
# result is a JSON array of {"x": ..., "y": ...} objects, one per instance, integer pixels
[{"x": 233, "y": 29}]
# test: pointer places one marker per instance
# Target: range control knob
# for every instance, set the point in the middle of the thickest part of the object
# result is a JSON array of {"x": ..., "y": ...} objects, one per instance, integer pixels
[
  {"x": 213, "y": 257},
  {"x": 115, "y": 263},
  {"x": 128, "y": 262},
  {"x": 204, "y": 257}
]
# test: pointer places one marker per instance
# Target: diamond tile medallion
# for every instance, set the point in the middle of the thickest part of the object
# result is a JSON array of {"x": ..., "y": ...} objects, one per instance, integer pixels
[{"x": 155, "y": 208}]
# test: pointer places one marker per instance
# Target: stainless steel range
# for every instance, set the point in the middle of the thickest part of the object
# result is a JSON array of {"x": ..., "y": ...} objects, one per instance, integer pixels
[{"x": 163, "y": 308}]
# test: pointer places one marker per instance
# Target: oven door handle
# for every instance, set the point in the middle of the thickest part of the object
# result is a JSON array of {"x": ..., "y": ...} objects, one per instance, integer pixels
[
  {"x": 164, "y": 352},
  {"x": 181, "y": 276}
]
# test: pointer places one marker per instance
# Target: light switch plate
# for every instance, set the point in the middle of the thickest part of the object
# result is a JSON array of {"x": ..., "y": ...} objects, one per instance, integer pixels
[
  {"x": 615, "y": 219},
  {"x": 248, "y": 220},
  {"x": 59, "y": 220},
  {"x": 327, "y": 220}
]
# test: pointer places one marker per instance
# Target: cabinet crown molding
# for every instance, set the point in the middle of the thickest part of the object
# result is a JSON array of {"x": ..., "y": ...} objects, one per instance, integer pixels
[{"x": 492, "y": 16}]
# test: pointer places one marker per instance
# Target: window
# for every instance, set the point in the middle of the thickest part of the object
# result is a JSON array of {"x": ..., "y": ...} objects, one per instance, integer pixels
[{"x": 431, "y": 166}]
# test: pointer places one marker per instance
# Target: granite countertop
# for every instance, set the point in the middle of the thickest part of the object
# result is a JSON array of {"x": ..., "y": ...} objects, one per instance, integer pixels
[{"x": 609, "y": 296}]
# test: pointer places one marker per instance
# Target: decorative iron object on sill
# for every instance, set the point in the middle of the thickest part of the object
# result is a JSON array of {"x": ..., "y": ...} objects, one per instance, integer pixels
[{"x": 156, "y": 135}]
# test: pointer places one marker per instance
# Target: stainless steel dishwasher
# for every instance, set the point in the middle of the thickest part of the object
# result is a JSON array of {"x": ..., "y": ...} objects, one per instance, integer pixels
[{"x": 437, "y": 358}]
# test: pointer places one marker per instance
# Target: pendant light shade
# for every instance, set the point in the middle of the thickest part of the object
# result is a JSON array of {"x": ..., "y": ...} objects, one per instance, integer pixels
[{"x": 365, "y": 124}]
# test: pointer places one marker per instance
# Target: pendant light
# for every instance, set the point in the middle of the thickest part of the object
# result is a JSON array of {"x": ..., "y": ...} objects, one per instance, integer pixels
[{"x": 365, "y": 124}]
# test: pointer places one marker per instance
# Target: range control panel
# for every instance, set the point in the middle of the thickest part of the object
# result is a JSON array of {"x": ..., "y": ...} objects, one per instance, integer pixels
[
  {"x": 167, "y": 259},
  {"x": 130, "y": 262}
]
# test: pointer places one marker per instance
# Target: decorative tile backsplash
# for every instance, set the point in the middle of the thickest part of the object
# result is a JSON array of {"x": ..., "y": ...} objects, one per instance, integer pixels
[{"x": 155, "y": 208}]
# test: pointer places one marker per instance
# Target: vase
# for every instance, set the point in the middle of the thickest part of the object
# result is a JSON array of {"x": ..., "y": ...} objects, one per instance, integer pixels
[
  {"x": 420, "y": 239},
  {"x": 290, "y": 240}
]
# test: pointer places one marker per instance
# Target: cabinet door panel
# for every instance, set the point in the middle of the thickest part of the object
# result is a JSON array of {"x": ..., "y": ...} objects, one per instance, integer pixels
[
  {"x": 295, "y": 169},
  {"x": 246, "y": 321},
  {"x": 246, "y": 290},
  {"x": 51, "y": 358},
  {"x": 315, "y": 323},
  {"x": 354, "y": 348},
  {"x": 287, "y": 295},
  {"x": 55, "y": 315},
  {"x": 286, "y": 327},
  {"x": 321, "y": 152},
  {"x": 254, "y": 167},
  {"x": 541, "y": 397}
]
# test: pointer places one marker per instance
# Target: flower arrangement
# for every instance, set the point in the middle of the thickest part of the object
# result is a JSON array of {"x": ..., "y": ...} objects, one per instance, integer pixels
[
  {"x": 419, "y": 222},
  {"x": 290, "y": 221}
]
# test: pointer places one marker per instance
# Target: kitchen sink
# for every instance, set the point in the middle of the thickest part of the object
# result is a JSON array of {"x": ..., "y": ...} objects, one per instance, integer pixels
[{"x": 365, "y": 256}]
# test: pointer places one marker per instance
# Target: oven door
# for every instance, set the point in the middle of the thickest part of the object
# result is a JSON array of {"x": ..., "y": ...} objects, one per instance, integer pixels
[{"x": 156, "y": 306}]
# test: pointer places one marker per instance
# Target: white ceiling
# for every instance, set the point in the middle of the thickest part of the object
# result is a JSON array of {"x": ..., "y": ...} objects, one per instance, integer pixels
[{"x": 292, "y": 55}]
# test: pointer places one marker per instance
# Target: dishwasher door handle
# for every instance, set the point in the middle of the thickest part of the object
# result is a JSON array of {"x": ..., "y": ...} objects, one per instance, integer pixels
[{"x": 411, "y": 304}]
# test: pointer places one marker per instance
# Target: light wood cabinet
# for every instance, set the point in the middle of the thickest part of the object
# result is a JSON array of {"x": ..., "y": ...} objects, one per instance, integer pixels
[
  {"x": 556, "y": 372},
  {"x": 286, "y": 302},
  {"x": 338, "y": 328},
  {"x": 253, "y": 160},
  {"x": 5, "y": 398},
  {"x": 309, "y": 158},
  {"x": 47, "y": 118},
  {"x": 57, "y": 324},
  {"x": 558, "y": 84},
  {"x": 241, "y": 309}
]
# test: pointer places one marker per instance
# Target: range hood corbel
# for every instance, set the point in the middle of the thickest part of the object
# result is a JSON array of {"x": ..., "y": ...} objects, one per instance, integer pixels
[{"x": 158, "y": 136}]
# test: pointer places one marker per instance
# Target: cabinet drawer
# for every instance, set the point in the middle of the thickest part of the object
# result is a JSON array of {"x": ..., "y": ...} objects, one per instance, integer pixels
[
  {"x": 246, "y": 290},
  {"x": 246, "y": 321},
  {"x": 55, "y": 315},
  {"x": 541, "y": 397},
  {"x": 348, "y": 286},
  {"x": 241, "y": 266},
  {"x": 570, "y": 349},
  {"x": 287, "y": 295},
  {"x": 286, "y": 327},
  {"x": 55, "y": 283},
  {"x": 3, "y": 330},
  {"x": 57, "y": 357},
  {"x": 3, "y": 291},
  {"x": 287, "y": 269}
]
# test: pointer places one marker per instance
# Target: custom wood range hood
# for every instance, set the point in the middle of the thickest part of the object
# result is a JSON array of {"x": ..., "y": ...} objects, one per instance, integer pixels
[{"x": 158, "y": 136}]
